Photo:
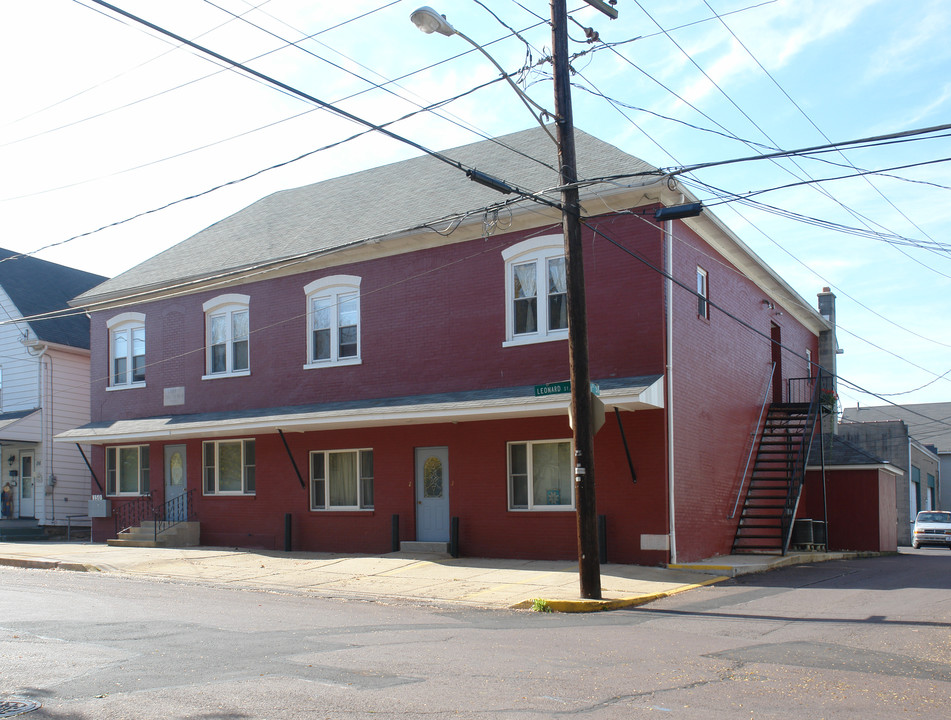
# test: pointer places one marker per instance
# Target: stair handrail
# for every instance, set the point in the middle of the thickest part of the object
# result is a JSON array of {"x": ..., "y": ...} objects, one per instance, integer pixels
[
  {"x": 797, "y": 470},
  {"x": 133, "y": 512},
  {"x": 753, "y": 436},
  {"x": 183, "y": 503}
]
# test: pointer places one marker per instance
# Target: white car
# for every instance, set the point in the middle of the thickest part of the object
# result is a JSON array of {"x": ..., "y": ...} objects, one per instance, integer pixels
[{"x": 932, "y": 527}]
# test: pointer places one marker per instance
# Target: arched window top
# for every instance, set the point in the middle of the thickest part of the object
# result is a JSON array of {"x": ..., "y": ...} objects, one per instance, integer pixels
[
  {"x": 534, "y": 246},
  {"x": 126, "y": 317},
  {"x": 223, "y": 300},
  {"x": 332, "y": 282}
]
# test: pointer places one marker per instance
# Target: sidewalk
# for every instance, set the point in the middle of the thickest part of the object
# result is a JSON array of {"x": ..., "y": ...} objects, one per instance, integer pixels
[{"x": 473, "y": 582}]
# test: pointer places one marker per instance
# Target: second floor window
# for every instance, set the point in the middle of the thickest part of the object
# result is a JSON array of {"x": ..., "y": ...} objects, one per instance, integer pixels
[
  {"x": 703, "y": 294},
  {"x": 333, "y": 321},
  {"x": 126, "y": 349},
  {"x": 536, "y": 291},
  {"x": 227, "y": 335}
]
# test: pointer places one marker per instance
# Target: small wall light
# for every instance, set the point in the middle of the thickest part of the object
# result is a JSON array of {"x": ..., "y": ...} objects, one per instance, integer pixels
[
  {"x": 11, "y": 460},
  {"x": 769, "y": 305}
]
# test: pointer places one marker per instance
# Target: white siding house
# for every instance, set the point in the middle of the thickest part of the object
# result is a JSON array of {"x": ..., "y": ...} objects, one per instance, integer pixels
[{"x": 44, "y": 390}]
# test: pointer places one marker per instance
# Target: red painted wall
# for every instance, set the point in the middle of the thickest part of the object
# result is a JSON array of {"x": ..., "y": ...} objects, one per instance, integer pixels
[
  {"x": 720, "y": 372},
  {"x": 862, "y": 507},
  {"x": 433, "y": 324},
  {"x": 430, "y": 324},
  {"x": 478, "y": 491}
]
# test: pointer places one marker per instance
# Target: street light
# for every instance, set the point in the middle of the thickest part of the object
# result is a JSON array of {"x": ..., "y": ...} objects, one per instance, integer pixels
[
  {"x": 589, "y": 566},
  {"x": 430, "y": 21}
]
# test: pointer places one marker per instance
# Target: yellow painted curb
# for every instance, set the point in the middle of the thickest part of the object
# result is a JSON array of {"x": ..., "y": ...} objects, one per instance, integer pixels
[{"x": 579, "y": 606}]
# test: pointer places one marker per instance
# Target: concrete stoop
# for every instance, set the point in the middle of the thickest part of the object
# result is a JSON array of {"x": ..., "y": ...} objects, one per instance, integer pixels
[
  {"x": 434, "y": 548},
  {"x": 184, "y": 534}
]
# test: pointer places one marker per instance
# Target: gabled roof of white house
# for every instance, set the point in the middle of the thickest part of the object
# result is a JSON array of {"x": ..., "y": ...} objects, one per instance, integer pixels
[
  {"x": 37, "y": 287},
  {"x": 398, "y": 207}
]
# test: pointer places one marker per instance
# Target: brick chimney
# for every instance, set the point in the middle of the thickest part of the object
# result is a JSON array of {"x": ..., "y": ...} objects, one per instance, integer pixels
[{"x": 829, "y": 347}]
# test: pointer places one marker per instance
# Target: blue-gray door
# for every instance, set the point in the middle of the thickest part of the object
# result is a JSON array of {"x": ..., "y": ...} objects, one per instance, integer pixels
[
  {"x": 432, "y": 494},
  {"x": 176, "y": 483}
]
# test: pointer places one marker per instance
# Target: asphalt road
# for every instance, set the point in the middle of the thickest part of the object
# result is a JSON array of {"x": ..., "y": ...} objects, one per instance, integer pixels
[{"x": 866, "y": 638}]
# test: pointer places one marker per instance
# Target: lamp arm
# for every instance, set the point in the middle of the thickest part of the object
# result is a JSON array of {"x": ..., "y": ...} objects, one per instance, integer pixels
[{"x": 528, "y": 102}]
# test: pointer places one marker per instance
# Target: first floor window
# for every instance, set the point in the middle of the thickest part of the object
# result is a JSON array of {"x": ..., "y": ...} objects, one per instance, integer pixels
[
  {"x": 127, "y": 470},
  {"x": 342, "y": 479},
  {"x": 540, "y": 475},
  {"x": 229, "y": 467}
]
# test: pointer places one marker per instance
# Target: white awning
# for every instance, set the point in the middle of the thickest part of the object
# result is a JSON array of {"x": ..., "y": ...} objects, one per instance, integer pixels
[
  {"x": 21, "y": 426},
  {"x": 640, "y": 393}
]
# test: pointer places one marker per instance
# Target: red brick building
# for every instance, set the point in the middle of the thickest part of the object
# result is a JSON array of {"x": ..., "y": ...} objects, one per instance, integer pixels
[{"x": 354, "y": 363}]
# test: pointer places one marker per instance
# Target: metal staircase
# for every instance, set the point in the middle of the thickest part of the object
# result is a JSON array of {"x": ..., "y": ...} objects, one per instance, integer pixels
[{"x": 766, "y": 521}]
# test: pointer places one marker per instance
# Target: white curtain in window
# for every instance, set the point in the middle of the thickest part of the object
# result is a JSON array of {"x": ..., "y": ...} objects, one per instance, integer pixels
[
  {"x": 525, "y": 281},
  {"x": 343, "y": 479},
  {"x": 551, "y": 474}
]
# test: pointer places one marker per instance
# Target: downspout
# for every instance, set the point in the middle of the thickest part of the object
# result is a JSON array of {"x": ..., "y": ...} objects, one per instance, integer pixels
[
  {"x": 31, "y": 344},
  {"x": 668, "y": 236}
]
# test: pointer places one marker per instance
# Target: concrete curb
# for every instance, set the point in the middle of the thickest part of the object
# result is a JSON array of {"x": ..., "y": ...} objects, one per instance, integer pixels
[
  {"x": 580, "y": 606},
  {"x": 47, "y": 564}
]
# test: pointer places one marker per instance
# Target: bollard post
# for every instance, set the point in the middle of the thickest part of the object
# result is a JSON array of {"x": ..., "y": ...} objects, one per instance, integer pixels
[
  {"x": 287, "y": 532},
  {"x": 395, "y": 534},
  {"x": 454, "y": 537},
  {"x": 603, "y": 538}
]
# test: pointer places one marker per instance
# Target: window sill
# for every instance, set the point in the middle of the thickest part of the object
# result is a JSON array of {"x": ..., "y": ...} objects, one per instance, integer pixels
[
  {"x": 333, "y": 363},
  {"x": 536, "y": 339},
  {"x": 542, "y": 510},
  {"x": 228, "y": 495},
  {"x": 129, "y": 386},
  {"x": 340, "y": 512},
  {"x": 219, "y": 376}
]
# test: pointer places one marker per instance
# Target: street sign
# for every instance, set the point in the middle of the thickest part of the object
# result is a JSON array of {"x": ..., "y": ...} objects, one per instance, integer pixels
[{"x": 559, "y": 388}]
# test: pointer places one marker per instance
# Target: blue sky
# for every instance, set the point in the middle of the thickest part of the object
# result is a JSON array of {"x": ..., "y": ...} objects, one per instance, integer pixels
[{"x": 102, "y": 120}]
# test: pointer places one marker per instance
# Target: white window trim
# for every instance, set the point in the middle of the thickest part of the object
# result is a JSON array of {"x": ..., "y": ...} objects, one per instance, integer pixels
[
  {"x": 243, "y": 492},
  {"x": 127, "y": 321},
  {"x": 116, "y": 449},
  {"x": 570, "y": 507},
  {"x": 333, "y": 286},
  {"x": 538, "y": 250},
  {"x": 360, "y": 506},
  {"x": 703, "y": 293},
  {"x": 228, "y": 304}
]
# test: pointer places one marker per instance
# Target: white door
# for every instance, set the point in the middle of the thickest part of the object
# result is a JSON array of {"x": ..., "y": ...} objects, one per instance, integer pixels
[
  {"x": 176, "y": 482},
  {"x": 27, "y": 490},
  {"x": 432, "y": 494}
]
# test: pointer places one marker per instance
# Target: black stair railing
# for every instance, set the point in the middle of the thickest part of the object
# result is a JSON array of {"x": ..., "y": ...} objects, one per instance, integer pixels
[
  {"x": 800, "y": 391},
  {"x": 133, "y": 512},
  {"x": 175, "y": 511}
]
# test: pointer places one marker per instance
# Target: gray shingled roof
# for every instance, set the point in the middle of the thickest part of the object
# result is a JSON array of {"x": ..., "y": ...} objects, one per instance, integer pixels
[
  {"x": 36, "y": 287},
  {"x": 368, "y": 204}
]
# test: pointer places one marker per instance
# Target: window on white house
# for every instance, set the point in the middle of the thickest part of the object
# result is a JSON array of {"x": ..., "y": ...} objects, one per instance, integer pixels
[
  {"x": 703, "y": 294},
  {"x": 341, "y": 480},
  {"x": 227, "y": 336},
  {"x": 228, "y": 467},
  {"x": 536, "y": 291},
  {"x": 127, "y": 470},
  {"x": 333, "y": 321},
  {"x": 540, "y": 475},
  {"x": 126, "y": 350}
]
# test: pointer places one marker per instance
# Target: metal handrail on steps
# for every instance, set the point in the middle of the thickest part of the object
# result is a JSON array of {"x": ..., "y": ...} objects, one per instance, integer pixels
[
  {"x": 132, "y": 513},
  {"x": 180, "y": 509},
  {"x": 808, "y": 390},
  {"x": 753, "y": 436}
]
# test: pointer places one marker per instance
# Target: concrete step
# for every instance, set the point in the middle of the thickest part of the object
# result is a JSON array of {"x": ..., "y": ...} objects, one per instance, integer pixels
[
  {"x": 185, "y": 534},
  {"x": 412, "y": 546}
]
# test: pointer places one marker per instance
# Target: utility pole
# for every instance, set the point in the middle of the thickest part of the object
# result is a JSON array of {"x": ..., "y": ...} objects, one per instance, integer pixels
[{"x": 589, "y": 561}]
